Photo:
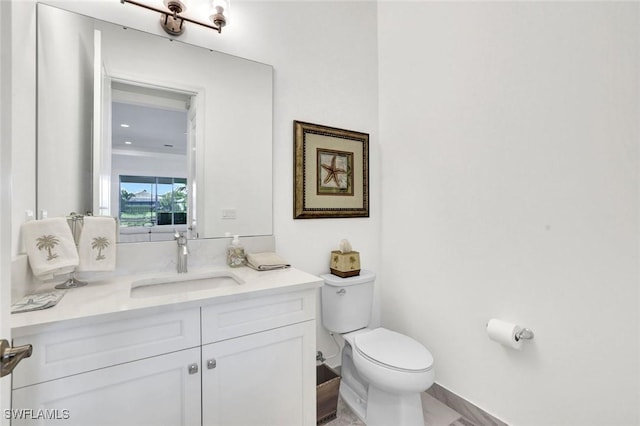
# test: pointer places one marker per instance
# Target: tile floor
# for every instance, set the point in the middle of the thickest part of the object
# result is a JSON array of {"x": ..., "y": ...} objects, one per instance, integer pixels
[{"x": 435, "y": 414}]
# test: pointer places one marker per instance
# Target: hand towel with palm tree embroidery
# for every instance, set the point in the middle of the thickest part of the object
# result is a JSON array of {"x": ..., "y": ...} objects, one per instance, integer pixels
[
  {"x": 97, "y": 244},
  {"x": 50, "y": 247}
]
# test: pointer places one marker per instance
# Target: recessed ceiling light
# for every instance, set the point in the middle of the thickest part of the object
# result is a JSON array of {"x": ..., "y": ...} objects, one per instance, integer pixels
[
  {"x": 124, "y": 125},
  {"x": 128, "y": 142}
]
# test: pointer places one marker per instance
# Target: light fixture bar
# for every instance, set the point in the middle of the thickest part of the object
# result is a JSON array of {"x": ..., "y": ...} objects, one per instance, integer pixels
[{"x": 218, "y": 24}]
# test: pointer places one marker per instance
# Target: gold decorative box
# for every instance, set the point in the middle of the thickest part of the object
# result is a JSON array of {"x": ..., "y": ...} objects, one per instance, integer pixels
[{"x": 345, "y": 264}]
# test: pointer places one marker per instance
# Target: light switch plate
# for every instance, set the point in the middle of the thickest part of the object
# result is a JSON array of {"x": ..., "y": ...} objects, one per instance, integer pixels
[{"x": 228, "y": 213}]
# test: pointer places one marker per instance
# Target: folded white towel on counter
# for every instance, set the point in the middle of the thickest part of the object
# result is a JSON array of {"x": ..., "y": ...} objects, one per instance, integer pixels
[
  {"x": 35, "y": 302},
  {"x": 97, "y": 245},
  {"x": 50, "y": 247},
  {"x": 266, "y": 261}
]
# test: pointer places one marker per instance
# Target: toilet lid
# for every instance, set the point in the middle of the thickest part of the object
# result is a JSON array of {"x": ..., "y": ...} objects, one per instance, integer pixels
[{"x": 394, "y": 350}]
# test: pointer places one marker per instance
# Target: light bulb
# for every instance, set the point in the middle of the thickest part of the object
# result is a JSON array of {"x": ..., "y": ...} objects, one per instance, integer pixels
[
  {"x": 220, "y": 13},
  {"x": 224, "y": 4}
]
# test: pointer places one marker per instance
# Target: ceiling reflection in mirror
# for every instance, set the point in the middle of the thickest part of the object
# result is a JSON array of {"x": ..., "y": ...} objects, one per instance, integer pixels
[{"x": 161, "y": 134}]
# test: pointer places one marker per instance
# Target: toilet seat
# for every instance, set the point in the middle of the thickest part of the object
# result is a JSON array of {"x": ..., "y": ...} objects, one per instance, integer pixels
[{"x": 393, "y": 350}]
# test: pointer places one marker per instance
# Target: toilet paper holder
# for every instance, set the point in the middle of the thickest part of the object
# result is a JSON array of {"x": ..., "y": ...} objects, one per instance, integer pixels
[{"x": 524, "y": 334}]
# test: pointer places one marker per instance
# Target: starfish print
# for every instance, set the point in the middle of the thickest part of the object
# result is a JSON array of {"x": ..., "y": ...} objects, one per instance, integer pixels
[{"x": 332, "y": 172}]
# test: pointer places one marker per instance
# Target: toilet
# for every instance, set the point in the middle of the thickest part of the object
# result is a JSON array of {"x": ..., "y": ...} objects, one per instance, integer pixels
[{"x": 383, "y": 372}]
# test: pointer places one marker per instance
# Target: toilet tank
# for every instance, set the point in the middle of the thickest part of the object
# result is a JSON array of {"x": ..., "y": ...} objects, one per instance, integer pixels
[{"x": 347, "y": 302}]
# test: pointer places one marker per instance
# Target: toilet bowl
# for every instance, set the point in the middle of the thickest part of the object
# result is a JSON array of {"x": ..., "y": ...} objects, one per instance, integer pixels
[
  {"x": 383, "y": 371},
  {"x": 393, "y": 362}
]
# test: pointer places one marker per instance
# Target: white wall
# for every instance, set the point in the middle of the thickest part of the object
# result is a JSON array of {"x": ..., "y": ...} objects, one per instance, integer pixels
[
  {"x": 325, "y": 60},
  {"x": 509, "y": 134},
  {"x": 324, "y": 56}
]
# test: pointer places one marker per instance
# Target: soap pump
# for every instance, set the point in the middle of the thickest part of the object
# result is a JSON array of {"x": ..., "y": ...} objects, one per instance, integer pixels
[{"x": 235, "y": 253}]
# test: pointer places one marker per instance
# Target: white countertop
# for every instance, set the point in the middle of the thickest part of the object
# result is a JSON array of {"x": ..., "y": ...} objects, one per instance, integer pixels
[{"x": 113, "y": 295}]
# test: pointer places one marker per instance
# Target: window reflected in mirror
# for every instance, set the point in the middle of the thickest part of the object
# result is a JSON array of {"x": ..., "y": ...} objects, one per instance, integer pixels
[{"x": 152, "y": 201}]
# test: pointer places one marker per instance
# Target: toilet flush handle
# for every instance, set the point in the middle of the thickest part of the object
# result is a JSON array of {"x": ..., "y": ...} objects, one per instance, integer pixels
[{"x": 341, "y": 292}]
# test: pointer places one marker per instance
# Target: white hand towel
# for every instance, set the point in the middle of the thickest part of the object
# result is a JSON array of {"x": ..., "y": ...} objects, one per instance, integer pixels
[
  {"x": 266, "y": 261},
  {"x": 50, "y": 247},
  {"x": 97, "y": 245}
]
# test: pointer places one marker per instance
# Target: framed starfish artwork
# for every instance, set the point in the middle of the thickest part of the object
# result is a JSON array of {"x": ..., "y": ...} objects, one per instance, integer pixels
[
  {"x": 334, "y": 172},
  {"x": 331, "y": 172}
]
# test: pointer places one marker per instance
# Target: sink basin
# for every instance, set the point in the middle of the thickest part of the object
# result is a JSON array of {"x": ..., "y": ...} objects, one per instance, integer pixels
[{"x": 184, "y": 283}]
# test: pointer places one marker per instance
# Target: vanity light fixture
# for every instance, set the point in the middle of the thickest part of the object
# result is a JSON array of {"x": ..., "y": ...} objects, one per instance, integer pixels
[{"x": 173, "y": 23}]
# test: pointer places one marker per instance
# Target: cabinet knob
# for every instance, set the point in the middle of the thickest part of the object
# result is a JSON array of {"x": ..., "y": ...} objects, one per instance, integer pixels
[
  {"x": 193, "y": 368},
  {"x": 211, "y": 364}
]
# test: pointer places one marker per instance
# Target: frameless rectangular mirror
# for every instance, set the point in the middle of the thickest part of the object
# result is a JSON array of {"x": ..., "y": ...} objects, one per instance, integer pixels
[{"x": 161, "y": 134}]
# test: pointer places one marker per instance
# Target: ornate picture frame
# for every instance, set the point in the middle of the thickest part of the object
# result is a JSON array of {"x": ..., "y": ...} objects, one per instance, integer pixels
[{"x": 331, "y": 172}]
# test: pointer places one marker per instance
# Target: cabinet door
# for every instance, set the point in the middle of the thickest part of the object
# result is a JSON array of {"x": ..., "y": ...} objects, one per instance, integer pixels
[
  {"x": 263, "y": 379},
  {"x": 154, "y": 391}
]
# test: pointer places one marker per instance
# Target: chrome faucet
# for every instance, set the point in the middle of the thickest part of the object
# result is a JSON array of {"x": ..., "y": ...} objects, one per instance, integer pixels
[{"x": 183, "y": 250}]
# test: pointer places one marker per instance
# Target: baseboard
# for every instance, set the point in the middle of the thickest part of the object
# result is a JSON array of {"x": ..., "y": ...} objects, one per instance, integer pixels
[{"x": 474, "y": 415}]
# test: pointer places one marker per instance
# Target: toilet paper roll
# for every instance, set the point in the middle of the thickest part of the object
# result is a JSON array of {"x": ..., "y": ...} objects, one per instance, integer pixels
[{"x": 504, "y": 333}]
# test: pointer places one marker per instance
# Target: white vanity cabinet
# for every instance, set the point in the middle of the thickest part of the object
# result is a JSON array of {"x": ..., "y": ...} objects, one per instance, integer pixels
[{"x": 237, "y": 361}]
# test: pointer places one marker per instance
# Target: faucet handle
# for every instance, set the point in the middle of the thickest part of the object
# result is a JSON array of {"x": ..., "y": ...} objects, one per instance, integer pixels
[{"x": 180, "y": 237}]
